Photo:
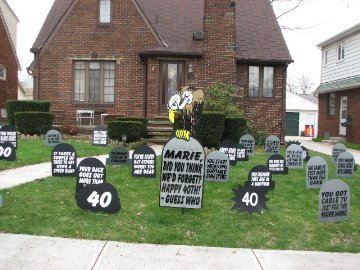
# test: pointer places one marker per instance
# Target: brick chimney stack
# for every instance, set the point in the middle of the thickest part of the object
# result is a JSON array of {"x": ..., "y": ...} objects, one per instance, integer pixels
[{"x": 219, "y": 41}]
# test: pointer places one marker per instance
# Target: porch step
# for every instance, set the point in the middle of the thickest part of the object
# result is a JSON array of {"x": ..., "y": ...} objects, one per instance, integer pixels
[
  {"x": 159, "y": 129},
  {"x": 337, "y": 139}
]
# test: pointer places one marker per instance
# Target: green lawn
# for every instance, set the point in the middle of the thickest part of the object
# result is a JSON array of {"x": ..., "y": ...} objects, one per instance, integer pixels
[
  {"x": 47, "y": 207},
  {"x": 33, "y": 151}
]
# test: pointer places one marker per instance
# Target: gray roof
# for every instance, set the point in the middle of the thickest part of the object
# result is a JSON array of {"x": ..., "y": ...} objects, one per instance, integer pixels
[
  {"x": 310, "y": 98},
  {"x": 339, "y": 85}
]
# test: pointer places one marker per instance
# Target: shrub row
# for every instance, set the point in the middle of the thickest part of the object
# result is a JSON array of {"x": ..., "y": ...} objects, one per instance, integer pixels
[
  {"x": 214, "y": 127},
  {"x": 33, "y": 122},
  {"x": 132, "y": 129},
  {"x": 13, "y": 106},
  {"x": 143, "y": 121}
]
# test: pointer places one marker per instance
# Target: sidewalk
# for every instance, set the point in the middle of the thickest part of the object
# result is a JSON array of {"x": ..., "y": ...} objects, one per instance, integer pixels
[
  {"x": 321, "y": 147},
  {"x": 45, "y": 253},
  {"x": 48, "y": 253}
]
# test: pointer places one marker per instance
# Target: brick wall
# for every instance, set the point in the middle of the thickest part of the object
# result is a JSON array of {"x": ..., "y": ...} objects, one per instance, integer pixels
[
  {"x": 265, "y": 114},
  {"x": 8, "y": 88},
  {"x": 81, "y": 36},
  {"x": 331, "y": 123}
]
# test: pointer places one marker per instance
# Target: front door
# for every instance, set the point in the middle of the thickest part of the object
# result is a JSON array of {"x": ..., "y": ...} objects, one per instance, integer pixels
[
  {"x": 343, "y": 114},
  {"x": 171, "y": 80}
]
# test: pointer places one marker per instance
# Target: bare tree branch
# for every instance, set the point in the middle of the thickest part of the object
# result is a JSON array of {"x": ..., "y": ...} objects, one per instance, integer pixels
[{"x": 291, "y": 9}]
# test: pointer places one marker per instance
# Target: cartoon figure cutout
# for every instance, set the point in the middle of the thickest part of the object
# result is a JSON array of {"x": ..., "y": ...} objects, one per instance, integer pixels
[{"x": 191, "y": 102}]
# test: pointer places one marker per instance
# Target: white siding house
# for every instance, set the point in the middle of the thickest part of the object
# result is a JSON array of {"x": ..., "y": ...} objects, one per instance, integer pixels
[{"x": 339, "y": 89}]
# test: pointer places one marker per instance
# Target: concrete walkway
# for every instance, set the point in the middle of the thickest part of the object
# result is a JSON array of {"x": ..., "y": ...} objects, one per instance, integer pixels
[
  {"x": 14, "y": 177},
  {"x": 321, "y": 147},
  {"x": 40, "y": 252}
]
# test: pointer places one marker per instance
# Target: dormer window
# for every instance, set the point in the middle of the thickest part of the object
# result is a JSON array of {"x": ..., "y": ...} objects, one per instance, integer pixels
[
  {"x": 2, "y": 73},
  {"x": 105, "y": 11}
]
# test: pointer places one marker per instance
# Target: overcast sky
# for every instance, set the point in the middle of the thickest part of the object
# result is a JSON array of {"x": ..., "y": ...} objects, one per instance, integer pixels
[{"x": 318, "y": 20}]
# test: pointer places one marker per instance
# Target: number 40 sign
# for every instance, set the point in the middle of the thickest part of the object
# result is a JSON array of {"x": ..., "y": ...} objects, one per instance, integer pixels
[
  {"x": 250, "y": 199},
  {"x": 7, "y": 151},
  {"x": 103, "y": 197}
]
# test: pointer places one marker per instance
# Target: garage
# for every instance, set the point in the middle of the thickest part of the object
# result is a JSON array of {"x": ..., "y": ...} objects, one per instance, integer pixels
[{"x": 292, "y": 124}]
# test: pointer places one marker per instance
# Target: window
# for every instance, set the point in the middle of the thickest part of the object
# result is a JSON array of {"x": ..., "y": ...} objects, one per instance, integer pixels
[
  {"x": 325, "y": 58},
  {"x": 3, "y": 73},
  {"x": 331, "y": 104},
  {"x": 261, "y": 81},
  {"x": 105, "y": 11},
  {"x": 340, "y": 52},
  {"x": 94, "y": 82}
]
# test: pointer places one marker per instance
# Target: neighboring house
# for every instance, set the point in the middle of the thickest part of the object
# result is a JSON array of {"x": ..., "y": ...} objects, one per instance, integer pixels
[
  {"x": 339, "y": 90},
  {"x": 128, "y": 57},
  {"x": 9, "y": 63},
  {"x": 24, "y": 93},
  {"x": 301, "y": 115}
]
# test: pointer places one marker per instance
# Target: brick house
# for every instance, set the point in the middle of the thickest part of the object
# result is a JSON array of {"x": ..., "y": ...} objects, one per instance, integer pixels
[
  {"x": 339, "y": 90},
  {"x": 129, "y": 56},
  {"x": 9, "y": 63}
]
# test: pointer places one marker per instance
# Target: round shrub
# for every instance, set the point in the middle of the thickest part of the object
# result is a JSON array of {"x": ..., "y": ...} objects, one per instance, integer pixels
[
  {"x": 211, "y": 128},
  {"x": 34, "y": 122},
  {"x": 235, "y": 127},
  {"x": 132, "y": 129},
  {"x": 142, "y": 120}
]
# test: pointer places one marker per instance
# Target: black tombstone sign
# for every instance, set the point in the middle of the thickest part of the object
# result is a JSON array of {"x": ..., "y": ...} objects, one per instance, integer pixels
[
  {"x": 272, "y": 145},
  {"x": 261, "y": 177},
  {"x": 345, "y": 165},
  {"x": 90, "y": 171},
  {"x": 277, "y": 164},
  {"x": 63, "y": 160},
  {"x": 249, "y": 142},
  {"x": 230, "y": 148},
  {"x": 118, "y": 156},
  {"x": 100, "y": 136},
  {"x": 103, "y": 197},
  {"x": 144, "y": 162},
  {"x": 250, "y": 199},
  {"x": 217, "y": 167},
  {"x": 52, "y": 138},
  {"x": 241, "y": 153},
  {"x": 182, "y": 174},
  {"x": 8, "y": 134},
  {"x": 7, "y": 151},
  {"x": 337, "y": 150},
  {"x": 334, "y": 201},
  {"x": 316, "y": 172},
  {"x": 306, "y": 155},
  {"x": 294, "y": 157}
]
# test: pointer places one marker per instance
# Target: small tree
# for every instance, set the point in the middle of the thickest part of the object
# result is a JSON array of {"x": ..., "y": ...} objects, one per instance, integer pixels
[{"x": 219, "y": 97}]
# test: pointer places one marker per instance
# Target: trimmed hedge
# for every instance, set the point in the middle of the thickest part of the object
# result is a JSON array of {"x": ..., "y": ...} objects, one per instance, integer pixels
[
  {"x": 235, "y": 127},
  {"x": 211, "y": 128},
  {"x": 34, "y": 122},
  {"x": 142, "y": 120},
  {"x": 13, "y": 106},
  {"x": 132, "y": 129}
]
